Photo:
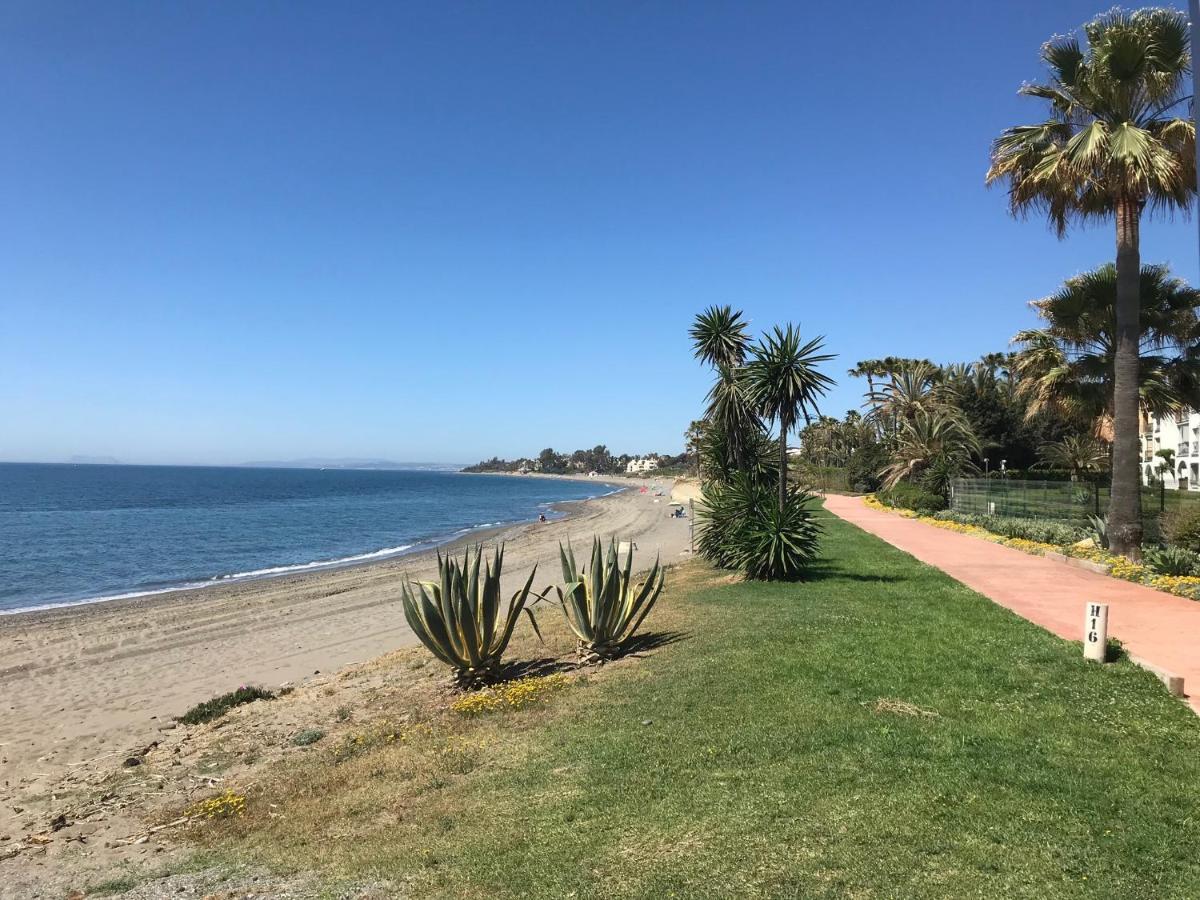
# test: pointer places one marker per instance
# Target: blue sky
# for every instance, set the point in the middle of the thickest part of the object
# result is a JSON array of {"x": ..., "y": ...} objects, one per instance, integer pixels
[{"x": 441, "y": 231}]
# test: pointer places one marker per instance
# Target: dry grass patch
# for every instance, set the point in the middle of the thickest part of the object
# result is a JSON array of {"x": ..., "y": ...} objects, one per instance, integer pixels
[
  {"x": 384, "y": 784},
  {"x": 901, "y": 708}
]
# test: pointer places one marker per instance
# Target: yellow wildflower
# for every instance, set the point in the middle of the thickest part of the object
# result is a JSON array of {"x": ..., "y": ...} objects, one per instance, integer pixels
[
  {"x": 221, "y": 806},
  {"x": 512, "y": 695}
]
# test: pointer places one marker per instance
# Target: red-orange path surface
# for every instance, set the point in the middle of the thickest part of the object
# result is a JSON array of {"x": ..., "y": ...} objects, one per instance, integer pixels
[{"x": 1159, "y": 628}]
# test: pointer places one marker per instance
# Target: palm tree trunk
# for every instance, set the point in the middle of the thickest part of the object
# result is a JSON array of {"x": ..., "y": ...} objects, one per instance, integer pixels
[
  {"x": 783, "y": 460},
  {"x": 1124, "y": 508}
]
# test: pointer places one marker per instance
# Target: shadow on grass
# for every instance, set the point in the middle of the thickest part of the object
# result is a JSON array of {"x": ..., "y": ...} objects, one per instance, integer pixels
[
  {"x": 548, "y": 665},
  {"x": 1114, "y": 651},
  {"x": 826, "y": 572},
  {"x": 533, "y": 668},
  {"x": 652, "y": 640}
]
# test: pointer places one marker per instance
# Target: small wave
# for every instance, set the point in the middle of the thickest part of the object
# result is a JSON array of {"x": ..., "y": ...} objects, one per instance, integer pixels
[
  {"x": 463, "y": 531},
  {"x": 132, "y": 595},
  {"x": 318, "y": 564}
]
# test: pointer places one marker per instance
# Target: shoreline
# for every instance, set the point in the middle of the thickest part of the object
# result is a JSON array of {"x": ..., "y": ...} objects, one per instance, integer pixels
[
  {"x": 105, "y": 679},
  {"x": 366, "y": 559}
]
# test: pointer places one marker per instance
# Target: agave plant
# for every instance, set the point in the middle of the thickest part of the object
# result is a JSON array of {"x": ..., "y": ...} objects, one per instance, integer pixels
[
  {"x": 1173, "y": 561},
  {"x": 602, "y": 605},
  {"x": 459, "y": 617}
]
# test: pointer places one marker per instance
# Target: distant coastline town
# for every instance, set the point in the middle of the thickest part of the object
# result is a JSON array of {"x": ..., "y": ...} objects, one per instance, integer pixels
[{"x": 596, "y": 461}]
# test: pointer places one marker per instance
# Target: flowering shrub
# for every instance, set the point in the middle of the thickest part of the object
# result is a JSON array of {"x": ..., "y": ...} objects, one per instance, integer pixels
[
  {"x": 512, "y": 695},
  {"x": 1035, "y": 547},
  {"x": 1120, "y": 567},
  {"x": 1180, "y": 585},
  {"x": 1090, "y": 553}
]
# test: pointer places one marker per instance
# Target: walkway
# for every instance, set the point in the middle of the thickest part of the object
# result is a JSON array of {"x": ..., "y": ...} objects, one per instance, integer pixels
[{"x": 1159, "y": 628}]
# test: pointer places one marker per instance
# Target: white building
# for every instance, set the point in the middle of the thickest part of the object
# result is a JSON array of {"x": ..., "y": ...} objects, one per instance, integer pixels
[
  {"x": 1180, "y": 433},
  {"x": 645, "y": 464}
]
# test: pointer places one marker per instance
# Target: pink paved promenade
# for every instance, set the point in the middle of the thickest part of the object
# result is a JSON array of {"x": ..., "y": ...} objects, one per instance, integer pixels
[{"x": 1159, "y": 628}]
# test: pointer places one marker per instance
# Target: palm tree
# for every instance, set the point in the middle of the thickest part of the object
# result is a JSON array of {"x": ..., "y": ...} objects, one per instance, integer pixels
[
  {"x": 732, "y": 412},
  {"x": 1166, "y": 463},
  {"x": 932, "y": 446},
  {"x": 1113, "y": 144},
  {"x": 897, "y": 365},
  {"x": 719, "y": 339},
  {"x": 785, "y": 384},
  {"x": 1077, "y": 454},
  {"x": 1067, "y": 366},
  {"x": 907, "y": 389},
  {"x": 869, "y": 369}
]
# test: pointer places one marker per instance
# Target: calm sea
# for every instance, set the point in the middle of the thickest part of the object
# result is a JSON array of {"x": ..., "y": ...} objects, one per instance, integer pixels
[{"x": 71, "y": 533}]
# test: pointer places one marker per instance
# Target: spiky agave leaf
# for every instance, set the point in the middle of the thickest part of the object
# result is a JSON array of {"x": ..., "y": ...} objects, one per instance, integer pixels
[
  {"x": 602, "y": 606},
  {"x": 459, "y": 618}
]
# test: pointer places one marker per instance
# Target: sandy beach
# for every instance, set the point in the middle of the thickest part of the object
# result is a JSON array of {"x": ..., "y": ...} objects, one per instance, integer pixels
[{"x": 92, "y": 681}]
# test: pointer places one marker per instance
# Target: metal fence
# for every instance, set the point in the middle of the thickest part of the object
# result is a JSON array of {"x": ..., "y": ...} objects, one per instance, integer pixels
[{"x": 1063, "y": 501}]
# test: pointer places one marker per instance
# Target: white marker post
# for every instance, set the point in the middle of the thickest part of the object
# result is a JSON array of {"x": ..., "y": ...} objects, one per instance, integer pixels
[{"x": 1095, "y": 632}]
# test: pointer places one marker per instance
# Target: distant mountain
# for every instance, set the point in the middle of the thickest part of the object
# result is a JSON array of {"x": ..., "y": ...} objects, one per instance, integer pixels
[
  {"x": 94, "y": 461},
  {"x": 350, "y": 463}
]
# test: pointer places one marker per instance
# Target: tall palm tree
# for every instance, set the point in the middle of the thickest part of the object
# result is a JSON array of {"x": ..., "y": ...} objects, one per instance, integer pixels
[
  {"x": 731, "y": 409},
  {"x": 1068, "y": 365},
  {"x": 1114, "y": 143},
  {"x": 785, "y": 384},
  {"x": 869, "y": 369},
  {"x": 719, "y": 339},
  {"x": 907, "y": 389}
]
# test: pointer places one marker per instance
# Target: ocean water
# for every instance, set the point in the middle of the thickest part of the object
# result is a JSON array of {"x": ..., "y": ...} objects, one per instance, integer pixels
[{"x": 72, "y": 533}]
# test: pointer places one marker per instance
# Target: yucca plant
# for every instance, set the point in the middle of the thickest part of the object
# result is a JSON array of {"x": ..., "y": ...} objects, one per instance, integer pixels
[
  {"x": 722, "y": 516},
  {"x": 602, "y": 604},
  {"x": 742, "y": 526},
  {"x": 459, "y": 617},
  {"x": 781, "y": 543}
]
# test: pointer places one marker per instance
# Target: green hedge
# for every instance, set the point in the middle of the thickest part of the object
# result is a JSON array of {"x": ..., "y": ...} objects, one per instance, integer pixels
[{"x": 911, "y": 496}]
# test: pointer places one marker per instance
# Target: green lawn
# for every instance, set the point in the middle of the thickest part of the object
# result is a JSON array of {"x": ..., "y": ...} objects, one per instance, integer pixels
[{"x": 750, "y": 758}]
